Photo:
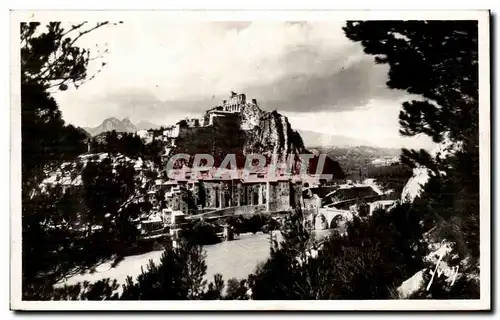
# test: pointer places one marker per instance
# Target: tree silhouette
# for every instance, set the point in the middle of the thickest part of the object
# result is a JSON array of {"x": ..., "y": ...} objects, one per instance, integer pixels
[
  {"x": 288, "y": 273},
  {"x": 71, "y": 231},
  {"x": 178, "y": 276},
  {"x": 435, "y": 59},
  {"x": 46, "y": 141},
  {"x": 439, "y": 61},
  {"x": 52, "y": 59},
  {"x": 236, "y": 289},
  {"x": 52, "y": 241}
]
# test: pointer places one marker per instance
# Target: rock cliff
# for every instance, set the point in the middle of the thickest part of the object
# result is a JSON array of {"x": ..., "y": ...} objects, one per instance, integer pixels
[{"x": 273, "y": 137}]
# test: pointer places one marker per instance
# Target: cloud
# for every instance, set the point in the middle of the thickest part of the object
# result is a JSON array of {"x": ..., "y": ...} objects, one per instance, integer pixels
[
  {"x": 312, "y": 82},
  {"x": 352, "y": 87},
  {"x": 348, "y": 87},
  {"x": 143, "y": 104}
]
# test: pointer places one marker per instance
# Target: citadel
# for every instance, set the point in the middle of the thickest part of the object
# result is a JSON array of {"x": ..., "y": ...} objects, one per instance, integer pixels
[{"x": 229, "y": 112}]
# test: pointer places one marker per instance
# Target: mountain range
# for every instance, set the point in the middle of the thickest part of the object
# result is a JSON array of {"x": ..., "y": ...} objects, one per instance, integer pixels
[
  {"x": 314, "y": 139},
  {"x": 117, "y": 125}
]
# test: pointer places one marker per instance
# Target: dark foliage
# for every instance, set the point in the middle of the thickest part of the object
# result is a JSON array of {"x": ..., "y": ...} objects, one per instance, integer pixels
[
  {"x": 286, "y": 274},
  {"x": 178, "y": 276},
  {"x": 438, "y": 60},
  {"x": 46, "y": 140},
  {"x": 58, "y": 238},
  {"x": 376, "y": 255},
  {"x": 201, "y": 233},
  {"x": 71, "y": 231},
  {"x": 253, "y": 224},
  {"x": 435, "y": 59},
  {"x": 236, "y": 289},
  {"x": 51, "y": 59},
  {"x": 128, "y": 144},
  {"x": 391, "y": 177},
  {"x": 101, "y": 290}
]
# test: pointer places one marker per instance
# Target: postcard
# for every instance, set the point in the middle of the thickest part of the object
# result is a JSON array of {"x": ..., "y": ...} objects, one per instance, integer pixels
[{"x": 250, "y": 160}]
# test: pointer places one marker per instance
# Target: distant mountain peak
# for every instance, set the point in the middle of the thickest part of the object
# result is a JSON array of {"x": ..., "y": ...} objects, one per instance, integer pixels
[
  {"x": 111, "y": 119},
  {"x": 112, "y": 123},
  {"x": 125, "y": 125}
]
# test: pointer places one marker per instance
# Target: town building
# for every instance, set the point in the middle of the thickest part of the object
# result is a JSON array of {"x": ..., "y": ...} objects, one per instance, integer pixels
[{"x": 212, "y": 189}]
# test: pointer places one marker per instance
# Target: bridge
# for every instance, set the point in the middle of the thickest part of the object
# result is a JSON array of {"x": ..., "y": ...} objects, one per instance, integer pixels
[
  {"x": 227, "y": 212},
  {"x": 324, "y": 218},
  {"x": 328, "y": 216},
  {"x": 345, "y": 204}
]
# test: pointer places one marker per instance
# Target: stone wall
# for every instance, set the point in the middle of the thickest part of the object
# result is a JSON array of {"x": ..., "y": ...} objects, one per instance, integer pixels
[{"x": 250, "y": 116}]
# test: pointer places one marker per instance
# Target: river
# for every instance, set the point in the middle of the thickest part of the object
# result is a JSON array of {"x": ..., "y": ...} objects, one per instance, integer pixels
[{"x": 232, "y": 259}]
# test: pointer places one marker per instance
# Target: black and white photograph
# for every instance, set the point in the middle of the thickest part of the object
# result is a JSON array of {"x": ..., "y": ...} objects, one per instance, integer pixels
[{"x": 217, "y": 160}]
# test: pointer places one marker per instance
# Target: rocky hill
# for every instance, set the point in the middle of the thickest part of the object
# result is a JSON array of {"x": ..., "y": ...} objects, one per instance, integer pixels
[
  {"x": 247, "y": 131},
  {"x": 244, "y": 129},
  {"x": 124, "y": 125},
  {"x": 111, "y": 124}
]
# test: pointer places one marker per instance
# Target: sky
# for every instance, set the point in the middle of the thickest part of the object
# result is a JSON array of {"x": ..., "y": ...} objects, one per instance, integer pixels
[{"x": 162, "y": 72}]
